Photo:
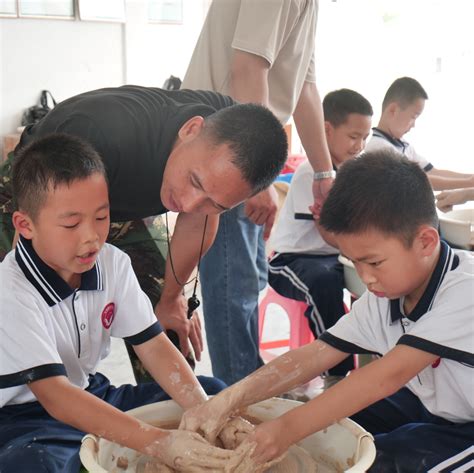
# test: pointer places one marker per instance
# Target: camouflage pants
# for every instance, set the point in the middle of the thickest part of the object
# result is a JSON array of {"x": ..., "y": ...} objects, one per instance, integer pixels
[{"x": 143, "y": 240}]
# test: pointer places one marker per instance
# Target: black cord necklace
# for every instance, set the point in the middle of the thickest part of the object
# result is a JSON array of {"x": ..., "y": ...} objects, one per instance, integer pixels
[{"x": 193, "y": 301}]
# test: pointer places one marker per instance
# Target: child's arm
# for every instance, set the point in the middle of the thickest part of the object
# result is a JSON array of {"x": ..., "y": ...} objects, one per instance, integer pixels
[
  {"x": 361, "y": 388},
  {"x": 446, "y": 200},
  {"x": 289, "y": 370},
  {"x": 171, "y": 371},
  {"x": 441, "y": 179},
  {"x": 86, "y": 412}
]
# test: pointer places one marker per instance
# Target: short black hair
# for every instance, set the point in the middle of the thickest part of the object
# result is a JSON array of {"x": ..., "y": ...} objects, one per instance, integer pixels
[
  {"x": 404, "y": 91},
  {"x": 47, "y": 162},
  {"x": 338, "y": 104},
  {"x": 381, "y": 190},
  {"x": 256, "y": 138}
]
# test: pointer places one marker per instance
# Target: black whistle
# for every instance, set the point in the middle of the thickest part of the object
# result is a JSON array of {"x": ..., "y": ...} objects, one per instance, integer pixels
[{"x": 193, "y": 304}]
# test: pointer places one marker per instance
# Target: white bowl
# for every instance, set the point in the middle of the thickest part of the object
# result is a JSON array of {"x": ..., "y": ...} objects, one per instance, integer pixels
[
  {"x": 352, "y": 281},
  {"x": 344, "y": 446},
  {"x": 457, "y": 227}
]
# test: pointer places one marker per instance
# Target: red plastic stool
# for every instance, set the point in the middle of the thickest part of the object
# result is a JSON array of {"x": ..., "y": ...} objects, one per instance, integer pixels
[{"x": 300, "y": 333}]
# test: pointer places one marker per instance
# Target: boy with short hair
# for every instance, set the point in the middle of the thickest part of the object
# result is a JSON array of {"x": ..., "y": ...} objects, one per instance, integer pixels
[
  {"x": 305, "y": 266},
  {"x": 417, "y": 313},
  {"x": 64, "y": 294},
  {"x": 403, "y": 103}
]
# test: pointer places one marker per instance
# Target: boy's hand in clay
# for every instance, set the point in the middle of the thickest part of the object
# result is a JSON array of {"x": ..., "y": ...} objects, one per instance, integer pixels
[
  {"x": 189, "y": 452},
  {"x": 207, "y": 418},
  {"x": 234, "y": 432},
  {"x": 271, "y": 441}
]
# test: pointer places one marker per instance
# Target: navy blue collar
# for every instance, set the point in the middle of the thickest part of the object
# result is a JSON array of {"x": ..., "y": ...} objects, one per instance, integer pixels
[
  {"x": 401, "y": 145},
  {"x": 447, "y": 262},
  {"x": 49, "y": 284}
]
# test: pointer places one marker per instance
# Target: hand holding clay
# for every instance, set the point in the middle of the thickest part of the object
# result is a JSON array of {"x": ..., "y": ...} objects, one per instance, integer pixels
[
  {"x": 189, "y": 452},
  {"x": 270, "y": 440},
  {"x": 207, "y": 418},
  {"x": 234, "y": 432}
]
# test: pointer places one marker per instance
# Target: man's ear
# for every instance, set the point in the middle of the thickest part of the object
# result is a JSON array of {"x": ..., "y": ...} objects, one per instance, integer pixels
[
  {"x": 428, "y": 240},
  {"x": 328, "y": 129},
  {"x": 23, "y": 224},
  {"x": 392, "y": 108},
  {"x": 191, "y": 128}
]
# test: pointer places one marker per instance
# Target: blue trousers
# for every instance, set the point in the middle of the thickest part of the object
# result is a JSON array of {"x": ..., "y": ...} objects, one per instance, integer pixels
[
  {"x": 31, "y": 441},
  {"x": 233, "y": 272},
  {"x": 409, "y": 439},
  {"x": 317, "y": 280}
]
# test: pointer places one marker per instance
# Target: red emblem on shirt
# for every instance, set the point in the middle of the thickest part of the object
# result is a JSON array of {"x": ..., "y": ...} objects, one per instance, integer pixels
[
  {"x": 108, "y": 315},
  {"x": 436, "y": 363}
]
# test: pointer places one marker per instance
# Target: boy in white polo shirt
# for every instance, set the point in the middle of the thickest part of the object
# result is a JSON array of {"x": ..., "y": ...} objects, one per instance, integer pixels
[
  {"x": 64, "y": 294},
  {"x": 305, "y": 266},
  {"x": 417, "y": 399},
  {"x": 403, "y": 103}
]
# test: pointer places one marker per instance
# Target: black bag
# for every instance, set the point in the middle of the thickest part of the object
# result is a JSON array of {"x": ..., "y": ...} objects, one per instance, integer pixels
[
  {"x": 172, "y": 83},
  {"x": 37, "y": 112}
]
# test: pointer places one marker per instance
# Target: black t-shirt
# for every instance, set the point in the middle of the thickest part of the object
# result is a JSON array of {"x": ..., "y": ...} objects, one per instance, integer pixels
[{"x": 133, "y": 128}]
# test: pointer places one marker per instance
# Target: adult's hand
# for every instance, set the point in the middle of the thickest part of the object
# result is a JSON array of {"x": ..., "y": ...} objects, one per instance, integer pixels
[
  {"x": 321, "y": 188},
  {"x": 172, "y": 314},
  {"x": 261, "y": 209}
]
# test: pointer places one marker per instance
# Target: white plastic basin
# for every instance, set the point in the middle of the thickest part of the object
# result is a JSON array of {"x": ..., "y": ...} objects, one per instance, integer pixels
[
  {"x": 345, "y": 446},
  {"x": 457, "y": 227}
]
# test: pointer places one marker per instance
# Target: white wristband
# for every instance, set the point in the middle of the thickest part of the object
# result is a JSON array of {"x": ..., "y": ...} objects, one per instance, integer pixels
[{"x": 317, "y": 176}]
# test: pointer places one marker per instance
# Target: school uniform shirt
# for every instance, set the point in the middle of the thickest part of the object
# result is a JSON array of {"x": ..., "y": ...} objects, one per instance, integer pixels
[
  {"x": 441, "y": 324},
  {"x": 49, "y": 329},
  {"x": 283, "y": 32},
  {"x": 299, "y": 236},
  {"x": 381, "y": 140},
  {"x": 133, "y": 129}
]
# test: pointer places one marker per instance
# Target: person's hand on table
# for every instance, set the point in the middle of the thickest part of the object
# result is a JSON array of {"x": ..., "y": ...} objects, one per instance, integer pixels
[
  {"x": 172, "y": 314},
  {"x": 261, "y": 209}
]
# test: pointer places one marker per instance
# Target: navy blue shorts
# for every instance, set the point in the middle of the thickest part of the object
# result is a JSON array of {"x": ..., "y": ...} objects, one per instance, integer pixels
[
  {"x": 32, "y": 441},
  {"x": 409, "y": 439}
]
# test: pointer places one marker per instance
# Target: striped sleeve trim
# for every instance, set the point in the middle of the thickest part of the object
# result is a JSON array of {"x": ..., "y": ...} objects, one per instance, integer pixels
[
  {"x": 343, "y": 345},
  {"x": 32, "y": 374},
  {"x": 442, "y": 351},
  {"x": 146, "y": 335}
]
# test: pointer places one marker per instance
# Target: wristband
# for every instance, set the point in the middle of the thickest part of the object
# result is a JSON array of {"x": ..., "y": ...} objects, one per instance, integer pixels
[{"x": 317, "y": 176}]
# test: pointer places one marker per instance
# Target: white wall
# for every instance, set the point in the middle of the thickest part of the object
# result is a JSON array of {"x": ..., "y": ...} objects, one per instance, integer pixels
[
  {"x": 70, "y": 57},
  {"x": 65, "y": 57}
]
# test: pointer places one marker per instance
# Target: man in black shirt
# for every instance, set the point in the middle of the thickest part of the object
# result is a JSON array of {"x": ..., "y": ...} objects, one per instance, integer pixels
[{"x": 193, "y": 152}]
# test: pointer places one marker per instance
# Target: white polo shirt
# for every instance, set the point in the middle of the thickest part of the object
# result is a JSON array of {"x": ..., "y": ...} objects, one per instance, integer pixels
[
  {"x": 299, "y": 236},
  {"x": 442, "y": 323},
  {"x": 381, "y": 140},
  {"x": 49, "y": 329}
]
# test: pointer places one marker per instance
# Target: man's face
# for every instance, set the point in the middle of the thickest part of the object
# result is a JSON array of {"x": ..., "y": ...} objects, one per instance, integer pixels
[
  {"x": 404, "y": 118},
  {"x": 72, "y": 226},
  {"x": 347, "y": 140},
  {"x": 386, "y": 266},
  {"x": 199, "y": 176}
]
